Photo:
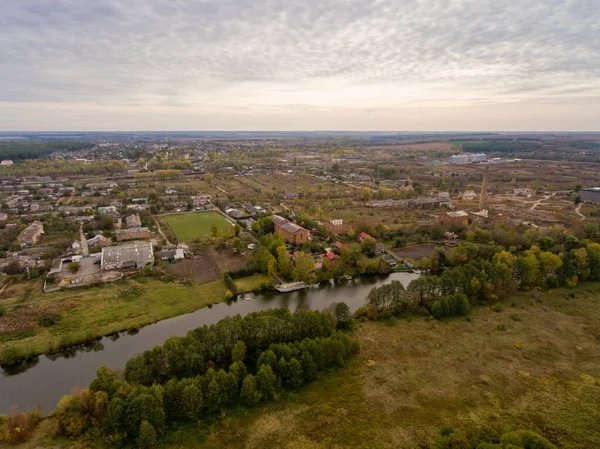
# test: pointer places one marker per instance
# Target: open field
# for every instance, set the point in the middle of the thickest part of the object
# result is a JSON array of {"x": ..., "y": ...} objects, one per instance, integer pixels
[
  {"x": 529, "y": 366},
  {"x": 190, "y": 226},
  {"x": 416, "y": 252},
  {"x": 252, "y": 283},
  {"x": 89, "y": 313}
]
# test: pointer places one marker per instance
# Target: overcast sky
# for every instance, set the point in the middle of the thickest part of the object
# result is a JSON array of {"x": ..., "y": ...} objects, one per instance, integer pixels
[{"x": 300, "y": 65}]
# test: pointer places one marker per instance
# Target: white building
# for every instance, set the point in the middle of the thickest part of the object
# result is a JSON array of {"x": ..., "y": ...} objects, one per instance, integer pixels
[
  {"x": 458, "y": 159},
  {"x": 477, "y": 158},
  {"x": 6, "y": 162}
]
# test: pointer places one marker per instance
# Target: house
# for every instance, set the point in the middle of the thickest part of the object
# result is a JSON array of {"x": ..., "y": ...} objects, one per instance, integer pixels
[
  {"x": 528, "y": 193},
  {"x": 138, "y": 207},
  {"x": 234, "y": 213},
  {"x": 362, "y": 236},
  {"x": 31, "y": 234},
  {"x": 469, "y": 195},
  {"x": 291, "y": 232},
  {"x": 133, "y": 221},
  {"x": 131, "y": 234},
  {"x": 170, "y": 190},
  {"x": 75, "y": 245},
  {"x": 99, "y": 241},
  {"x": 331, "y": 256},
  {"x": 131, "y": 255},
  {"x": 339, "y": 245},
  {"x": 455, "y": 218},
  {"x": 172, "y": 254},
  {"x": 107, "y": 210},
  {"x": 6, "y": 162},
  {"x": 201, "y": 199}
]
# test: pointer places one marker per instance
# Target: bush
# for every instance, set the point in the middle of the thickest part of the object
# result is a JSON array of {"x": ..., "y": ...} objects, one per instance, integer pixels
[
  {"x": 2, "y": 310},
  {"x": 11, "y": 356},
  {"x": 526, "y": 439},
  {"x": 48, "y": 319},
  {"x": 18, "y": 427}
]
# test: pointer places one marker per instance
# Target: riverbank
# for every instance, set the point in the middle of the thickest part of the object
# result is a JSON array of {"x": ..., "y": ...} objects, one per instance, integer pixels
[
  {"x": 75, "y": 317},
  {"x": 530, "y": 362}
]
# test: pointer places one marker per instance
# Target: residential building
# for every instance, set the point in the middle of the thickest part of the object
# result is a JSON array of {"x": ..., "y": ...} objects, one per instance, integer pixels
[
  {"x": 201, "y": 199},
  {"x": 131, "y": 255},
  {"x": 525, "y": 192},
  {"x": 291, "y": 232},
  {"x": 6, "y": 162},
  {"x": 99, "y": 241},
  {"x": 31, "y": 234},
  {"x": 107, "y": 210},
  {"x": 234, "y": 213},
  {"x": 131, "y": 234},
  {"x": 133, "y": 221},
  {"x": 172, "y": 254},
  {"x": 362, "y": 236}
]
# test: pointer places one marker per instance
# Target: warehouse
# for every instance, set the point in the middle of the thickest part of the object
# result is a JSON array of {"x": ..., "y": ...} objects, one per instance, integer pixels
[{"x": 131, "y": 255}]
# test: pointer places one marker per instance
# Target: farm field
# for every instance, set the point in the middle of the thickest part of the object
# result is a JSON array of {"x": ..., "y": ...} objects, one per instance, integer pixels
[{"x": 190, "y": 226}]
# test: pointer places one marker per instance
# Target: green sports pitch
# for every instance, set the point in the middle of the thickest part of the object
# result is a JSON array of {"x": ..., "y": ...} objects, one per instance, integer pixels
[{"x": 193, "y": 225}]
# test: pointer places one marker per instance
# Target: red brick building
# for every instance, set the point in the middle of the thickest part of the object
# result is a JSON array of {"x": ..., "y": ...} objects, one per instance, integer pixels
[{"x": 291, "y": 232}]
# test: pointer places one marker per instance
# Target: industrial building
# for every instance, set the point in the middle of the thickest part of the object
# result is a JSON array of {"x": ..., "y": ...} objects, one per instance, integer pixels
[{"x": 131, "y": 255}]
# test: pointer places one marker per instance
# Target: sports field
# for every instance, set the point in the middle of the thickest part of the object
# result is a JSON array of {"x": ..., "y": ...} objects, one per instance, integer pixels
[{"x": 193, "y": 225}]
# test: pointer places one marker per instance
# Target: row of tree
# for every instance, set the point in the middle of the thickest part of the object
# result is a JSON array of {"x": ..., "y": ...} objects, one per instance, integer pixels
[
  {"x": 211, "y": 346},
  {"x": 128, "y": 412}
]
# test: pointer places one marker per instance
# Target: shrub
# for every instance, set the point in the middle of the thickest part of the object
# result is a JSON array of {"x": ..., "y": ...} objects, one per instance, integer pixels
[
  {"x": 11, "y": 356},
  {"x": 496, "y": 307},
  {"x": 526, "y": 439},
  {"x": 48, "y": 319},
  {"x": 2, "y": 310},
  {"x": 18, "y": 427}
]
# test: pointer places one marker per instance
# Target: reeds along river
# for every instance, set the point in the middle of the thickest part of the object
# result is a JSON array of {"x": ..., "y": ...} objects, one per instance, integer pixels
[{"x": 45, "y": 379}]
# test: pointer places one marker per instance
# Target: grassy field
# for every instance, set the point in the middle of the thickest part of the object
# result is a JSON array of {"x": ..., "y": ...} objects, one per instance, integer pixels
[
  {"x": 534, "y": 365},
  {"x": 528, "y": 364},
  {"x": 190, "y": 226},
  {"x": 252, "y": 283},
  {"x": 88, "y": 313}
]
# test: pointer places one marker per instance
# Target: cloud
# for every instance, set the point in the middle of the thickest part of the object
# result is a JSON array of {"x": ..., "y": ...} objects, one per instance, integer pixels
[{"x": 191, "y": 58}]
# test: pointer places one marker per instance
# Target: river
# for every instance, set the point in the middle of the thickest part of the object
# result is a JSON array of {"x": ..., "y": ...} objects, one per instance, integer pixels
[{"x": 47, "y": 378}]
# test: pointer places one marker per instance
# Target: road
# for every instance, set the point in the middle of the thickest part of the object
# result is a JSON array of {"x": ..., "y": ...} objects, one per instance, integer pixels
[
  {"x": 162, "y": 234},
  {"x": 577, "y": 211},
  {"x": 84, "y": 245}
]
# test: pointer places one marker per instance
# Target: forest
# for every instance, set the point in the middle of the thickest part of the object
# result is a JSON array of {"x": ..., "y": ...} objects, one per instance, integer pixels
[{"x": 19, "y": 151}]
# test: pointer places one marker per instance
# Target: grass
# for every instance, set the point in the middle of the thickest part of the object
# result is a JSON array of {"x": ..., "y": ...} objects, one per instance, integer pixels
[
  {"x": 190, "y": 226},
  {"x": 252, "y": 283},
  {"x": 90, "y": 313}
]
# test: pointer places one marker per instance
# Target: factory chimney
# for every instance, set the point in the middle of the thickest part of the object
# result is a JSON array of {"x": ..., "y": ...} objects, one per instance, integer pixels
[{"x": 482, "y": 197}]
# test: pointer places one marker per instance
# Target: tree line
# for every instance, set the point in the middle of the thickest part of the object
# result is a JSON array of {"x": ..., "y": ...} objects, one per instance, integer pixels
[{"x": 291, "y": 351}]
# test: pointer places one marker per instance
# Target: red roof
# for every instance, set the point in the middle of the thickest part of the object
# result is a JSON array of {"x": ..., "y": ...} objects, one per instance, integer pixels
[
  {"x": 330, "y": 255},
  {"x": 339, "y": 245},
  {"x": 362, "y": 236}
]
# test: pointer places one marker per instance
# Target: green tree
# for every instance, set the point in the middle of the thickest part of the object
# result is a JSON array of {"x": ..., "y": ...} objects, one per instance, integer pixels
[
  {"x": 238, "y": 352},
  {"x": 147, "y": 436},
  {"x": 214, "y": 231},
  {"x": 192, "y": 401},
  {"x": 304, "y": 265},
  {"x": 266, "y": 382},
  {"x": 284, "y": 262},
  {"x": 74, "y": 267},
  {"x": 104, "y": 379},
  {"x": 344, "y": 317},
  {"x": 295, "y": 376},
  {"x": 213, "y": 397},
  {"x": 249, "y": 392}
]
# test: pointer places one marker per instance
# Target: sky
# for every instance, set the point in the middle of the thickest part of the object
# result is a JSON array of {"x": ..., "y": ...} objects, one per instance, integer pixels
[{"x": 407, "y": 65}]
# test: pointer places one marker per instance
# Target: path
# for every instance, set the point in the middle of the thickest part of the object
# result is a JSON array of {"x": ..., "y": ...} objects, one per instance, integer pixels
[
  {"x": 224, "y": 191},
  {"x": 162, "y": 234},
  {"x": 540, "y": 201},
  {"x": 577, "y": 211}
]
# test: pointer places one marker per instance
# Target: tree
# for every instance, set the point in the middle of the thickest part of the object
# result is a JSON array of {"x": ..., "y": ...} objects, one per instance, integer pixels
[
  {"x": 192, "y": 401},
  {"x": 266, "y": 382},
  {"x": 104, "y": 379},
  {"x": 238, "y": 353},
  {"x": 343, "y": 316},
  {"x": 214, "y": 231},
  {"x": 144, "y": 406},
  {"x": 284, "y": 262},
  {"x": 249, "y": 392},
  {"x": 147, "y": 436},
  {"x": 295, "y": 376},
  {"x": 304, "y": 265},
  {"x": 74, "y": 267}
]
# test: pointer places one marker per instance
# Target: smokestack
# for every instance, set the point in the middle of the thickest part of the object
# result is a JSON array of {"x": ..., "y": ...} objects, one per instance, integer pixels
[{"x": 482, "y": 197}]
